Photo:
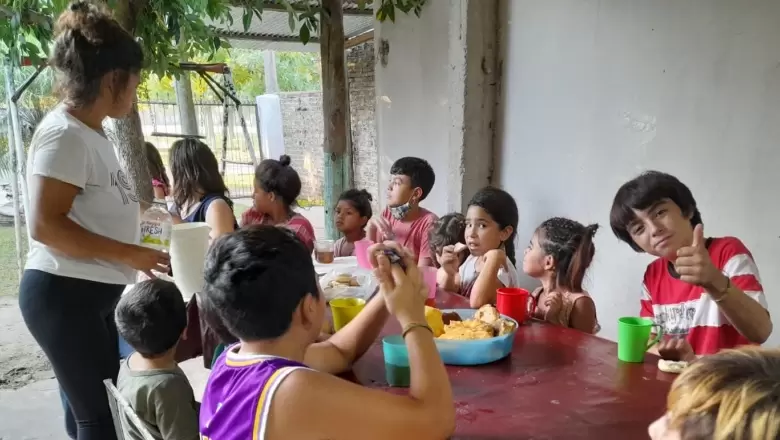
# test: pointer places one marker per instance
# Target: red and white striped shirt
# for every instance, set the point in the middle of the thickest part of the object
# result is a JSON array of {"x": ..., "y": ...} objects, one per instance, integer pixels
[{"x": 687, "y": 310}]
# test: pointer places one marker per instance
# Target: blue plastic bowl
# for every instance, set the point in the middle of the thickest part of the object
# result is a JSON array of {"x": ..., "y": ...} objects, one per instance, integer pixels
[{"x": 478, "y": 351}]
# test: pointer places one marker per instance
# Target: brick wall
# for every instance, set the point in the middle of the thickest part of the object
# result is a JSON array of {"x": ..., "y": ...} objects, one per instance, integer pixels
[
  {"x": 303, "y": 128},
  {"x": 362, "y": 102}
]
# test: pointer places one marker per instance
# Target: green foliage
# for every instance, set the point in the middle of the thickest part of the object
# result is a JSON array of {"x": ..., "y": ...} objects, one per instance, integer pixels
[
  {"x": 26, "y": 28},
  {"x": 168, "y": 29},
  {"x": 171, "y": 30},
  {"x": 296, "y": 72}
]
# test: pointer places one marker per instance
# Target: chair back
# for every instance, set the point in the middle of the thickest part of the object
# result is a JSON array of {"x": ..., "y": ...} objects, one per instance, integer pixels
[{"x": 119, "y": 407}]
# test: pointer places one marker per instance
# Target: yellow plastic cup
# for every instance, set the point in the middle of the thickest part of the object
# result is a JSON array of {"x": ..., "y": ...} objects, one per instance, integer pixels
[{"x": 344, "y": 310}]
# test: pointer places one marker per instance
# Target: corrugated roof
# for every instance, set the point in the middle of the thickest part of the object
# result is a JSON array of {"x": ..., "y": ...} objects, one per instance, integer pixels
[{"x": 273, "y": 31}]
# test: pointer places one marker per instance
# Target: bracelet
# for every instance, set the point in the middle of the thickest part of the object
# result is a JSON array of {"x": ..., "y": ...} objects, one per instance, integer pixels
[
  {"x": 411, "y": 326},
  {"x": 724, "y": 292}
]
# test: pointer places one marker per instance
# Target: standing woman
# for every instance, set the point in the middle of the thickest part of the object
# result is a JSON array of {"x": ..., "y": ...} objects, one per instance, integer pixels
[{"x": 84, "y": 215}]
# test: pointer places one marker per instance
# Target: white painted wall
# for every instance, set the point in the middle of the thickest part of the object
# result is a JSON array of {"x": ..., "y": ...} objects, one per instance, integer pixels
[
  {"x": 412, "y": 113},
  {"x": 595, "y": 91}
]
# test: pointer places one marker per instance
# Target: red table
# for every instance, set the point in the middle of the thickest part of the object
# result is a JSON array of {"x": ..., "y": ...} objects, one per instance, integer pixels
[{"x": 558, "y": 383}]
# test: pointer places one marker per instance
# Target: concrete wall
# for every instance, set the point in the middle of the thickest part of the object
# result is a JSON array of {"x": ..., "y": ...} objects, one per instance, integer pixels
[
  {"x": 412, "y": 106},
  {"x": 594, "y": 92},
  {"x": 303, "y": 128},
  {"x": 435, "y": 83}
]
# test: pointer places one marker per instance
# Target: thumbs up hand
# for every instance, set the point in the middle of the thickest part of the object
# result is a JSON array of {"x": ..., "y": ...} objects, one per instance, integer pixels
[{"x": 694, "y": 264}]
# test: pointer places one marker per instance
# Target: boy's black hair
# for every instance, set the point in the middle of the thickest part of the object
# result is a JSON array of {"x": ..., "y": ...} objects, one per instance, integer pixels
[
  {"x": 500, "y": 205},
  {"x": 360, "y": 199},
  {"x": 419, "y": 171},
  {"x": 570, "y": 243},
  {"x": 645, "y": 191},
  {"x": 278, "y": 177},
  {"x": 447, "y": 230},
  {"x": 151, "y": 317},
  {"x": 255, "y": 279}
]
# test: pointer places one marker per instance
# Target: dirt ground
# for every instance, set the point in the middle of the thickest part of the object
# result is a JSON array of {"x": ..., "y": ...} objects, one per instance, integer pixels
[{"x": 21, "y": 360}]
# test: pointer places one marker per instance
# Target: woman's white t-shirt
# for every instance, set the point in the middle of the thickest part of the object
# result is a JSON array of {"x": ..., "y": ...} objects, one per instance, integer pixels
[{"x": 65, "y": 149}]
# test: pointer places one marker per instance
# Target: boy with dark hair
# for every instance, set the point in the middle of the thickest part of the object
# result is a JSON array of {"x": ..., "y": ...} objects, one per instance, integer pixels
[
  {"x": 404, "y": 220},
  {"x": 274, "y": 384},
  {"x": 151, "y": 317},
  {"x": 705, "y": 292}
]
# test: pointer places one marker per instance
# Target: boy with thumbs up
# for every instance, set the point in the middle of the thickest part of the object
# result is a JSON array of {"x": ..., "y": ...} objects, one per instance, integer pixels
[{"x": 705, "y": 292}]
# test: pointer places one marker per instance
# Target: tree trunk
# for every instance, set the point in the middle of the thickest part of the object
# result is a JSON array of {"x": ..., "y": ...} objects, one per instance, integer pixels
[
  {"x": 126, "y": 133},
  {"x": 335, "y": 104}
]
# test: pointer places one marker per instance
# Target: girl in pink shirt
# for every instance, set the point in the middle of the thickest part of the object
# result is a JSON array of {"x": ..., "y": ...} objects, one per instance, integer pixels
[
  {"x": 352, "y": 214},
  {"x": 277, "y": 186},
  {"x": 160, "y": 182}
]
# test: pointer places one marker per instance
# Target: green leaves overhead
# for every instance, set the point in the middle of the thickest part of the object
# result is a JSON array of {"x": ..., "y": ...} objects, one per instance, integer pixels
[{"x": 169, "y": 30}]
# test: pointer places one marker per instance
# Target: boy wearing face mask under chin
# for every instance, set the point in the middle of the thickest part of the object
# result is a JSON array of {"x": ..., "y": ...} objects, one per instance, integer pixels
[{"x": 404, "y": 220}]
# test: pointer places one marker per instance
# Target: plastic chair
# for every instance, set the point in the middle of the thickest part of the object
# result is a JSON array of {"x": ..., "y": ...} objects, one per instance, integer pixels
[{"x": 120, "y": 406}]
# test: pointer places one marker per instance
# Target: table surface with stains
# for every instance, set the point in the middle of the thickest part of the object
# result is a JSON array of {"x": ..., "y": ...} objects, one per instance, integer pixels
[{"x": 558, "y": 383}]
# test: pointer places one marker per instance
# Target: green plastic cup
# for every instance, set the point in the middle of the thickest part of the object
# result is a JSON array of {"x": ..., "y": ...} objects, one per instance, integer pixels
[
  {"x": 397, "y": 371},
  {"x": 633, "y": 336}
]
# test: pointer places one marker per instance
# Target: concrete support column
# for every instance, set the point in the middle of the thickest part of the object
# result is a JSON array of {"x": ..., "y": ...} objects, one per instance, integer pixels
[{"x": 473, "y": 73}]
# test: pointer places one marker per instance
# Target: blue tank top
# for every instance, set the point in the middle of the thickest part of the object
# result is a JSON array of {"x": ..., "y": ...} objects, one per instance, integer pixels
[{"x": 199, "y": 214}]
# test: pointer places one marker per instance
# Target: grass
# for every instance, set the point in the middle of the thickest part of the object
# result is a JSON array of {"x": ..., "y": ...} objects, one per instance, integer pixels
[{"x": 9, "y": 270}]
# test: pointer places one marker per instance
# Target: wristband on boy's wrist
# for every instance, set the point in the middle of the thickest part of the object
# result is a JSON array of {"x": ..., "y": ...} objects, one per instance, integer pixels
[
  {"x": 724, "y": 292},
  {"x": 413, "y": 325}
]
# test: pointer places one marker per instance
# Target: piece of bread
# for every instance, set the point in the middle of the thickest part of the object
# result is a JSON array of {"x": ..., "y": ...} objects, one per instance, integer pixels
[
  {"x": 504, "y": 327},
  {"x": 344, "y": 280},
  {"x": 487, "y": 314},
  {"x": 673, "y": 367}
]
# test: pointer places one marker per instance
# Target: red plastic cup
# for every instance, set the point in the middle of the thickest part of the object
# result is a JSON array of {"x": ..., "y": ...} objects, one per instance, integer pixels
[
  {"x": 513, "y": 302},
  {"x": 361, "y": 252}
]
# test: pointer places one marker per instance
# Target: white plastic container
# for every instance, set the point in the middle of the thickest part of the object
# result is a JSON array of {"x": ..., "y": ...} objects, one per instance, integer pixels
[{"x": 188, "y": 256}]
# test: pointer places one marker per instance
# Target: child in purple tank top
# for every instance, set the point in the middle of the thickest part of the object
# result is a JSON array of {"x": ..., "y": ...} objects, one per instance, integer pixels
[
  {"x": 245, "y": 385},
  {"x": 260, "y": 282}
]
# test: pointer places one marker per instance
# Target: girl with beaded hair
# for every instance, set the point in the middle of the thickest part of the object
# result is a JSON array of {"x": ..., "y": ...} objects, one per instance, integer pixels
[{"x": 558, "y": 256}]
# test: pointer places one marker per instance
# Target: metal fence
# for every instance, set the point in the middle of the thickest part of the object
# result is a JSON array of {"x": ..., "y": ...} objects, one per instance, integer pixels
[{"x": 163, "y": 117}]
